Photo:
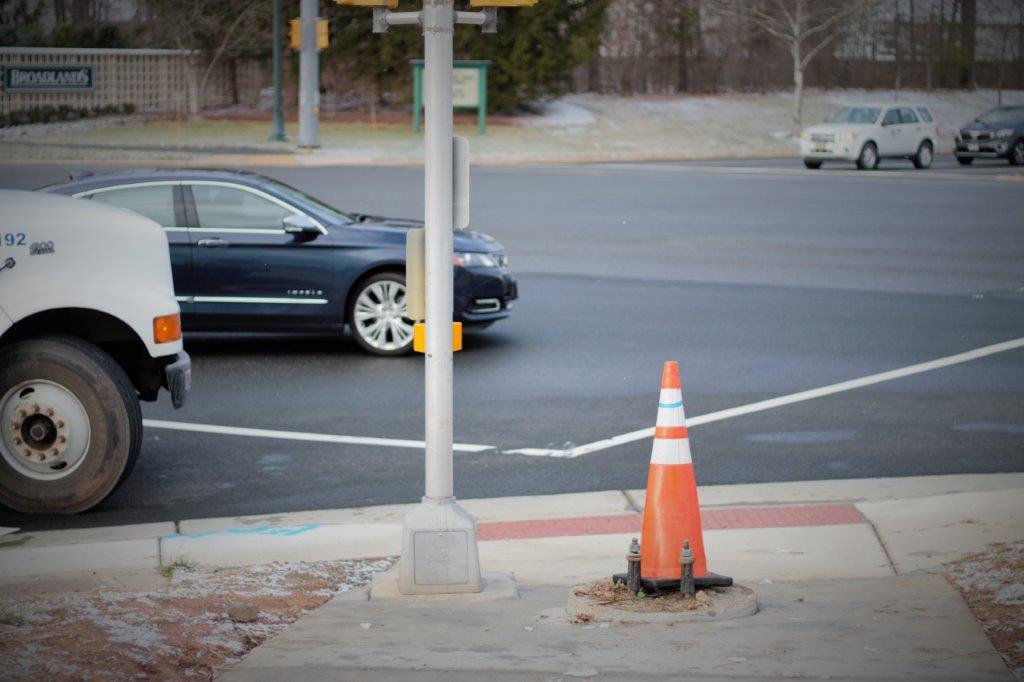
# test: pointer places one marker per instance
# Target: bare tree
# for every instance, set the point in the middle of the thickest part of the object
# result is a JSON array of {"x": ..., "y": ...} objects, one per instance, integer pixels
[
  {"x": 806, "y": 27},
  {"x": 218, "y": 31}
]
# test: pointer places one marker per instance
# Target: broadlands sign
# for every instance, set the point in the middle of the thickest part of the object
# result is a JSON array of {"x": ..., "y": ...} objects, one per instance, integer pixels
[{"x": 48, "y": 78}]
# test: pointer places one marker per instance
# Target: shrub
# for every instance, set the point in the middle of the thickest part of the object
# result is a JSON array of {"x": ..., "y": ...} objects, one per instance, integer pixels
[{"x": 64, "y": 112}]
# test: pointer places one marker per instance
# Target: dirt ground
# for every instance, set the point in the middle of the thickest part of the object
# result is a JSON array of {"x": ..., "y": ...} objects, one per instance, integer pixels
[
  {"x": 179, "y": 630},
  {"x": 992, "y": 583},
  {"x": 606, "y": 593}
]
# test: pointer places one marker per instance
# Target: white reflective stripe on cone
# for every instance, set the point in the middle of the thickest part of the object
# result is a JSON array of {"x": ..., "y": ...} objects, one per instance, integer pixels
[
  {"x": 671, "y": 451},
  {"x": 670, "y": 408}
]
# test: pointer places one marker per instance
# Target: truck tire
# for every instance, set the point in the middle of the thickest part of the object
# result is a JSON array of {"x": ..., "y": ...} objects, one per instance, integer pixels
[{"x": 71, "y": 425}]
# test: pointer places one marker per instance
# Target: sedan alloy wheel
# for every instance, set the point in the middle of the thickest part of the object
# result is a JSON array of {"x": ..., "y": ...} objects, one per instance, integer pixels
[{"x": 378, "y": 315}]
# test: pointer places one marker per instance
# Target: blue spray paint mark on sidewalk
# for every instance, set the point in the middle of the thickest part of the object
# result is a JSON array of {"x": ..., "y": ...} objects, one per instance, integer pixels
[{"x": 278, "y": 531}]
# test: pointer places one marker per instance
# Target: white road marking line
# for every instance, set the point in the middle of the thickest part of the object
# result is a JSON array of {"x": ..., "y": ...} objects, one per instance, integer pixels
[
  {"x": 771, "y": 403},
  {"x": 298, "y": 435}
]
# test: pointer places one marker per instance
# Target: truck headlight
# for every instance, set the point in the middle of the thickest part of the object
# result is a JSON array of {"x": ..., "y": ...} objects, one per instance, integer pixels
[
  {"x": 473, "y": 259},
  {"x": 1004, "y": 133},
  {"x": 846, "y": 137}
]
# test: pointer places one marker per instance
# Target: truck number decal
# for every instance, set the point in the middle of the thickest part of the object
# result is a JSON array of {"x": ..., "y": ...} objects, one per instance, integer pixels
[{"x": 14, "y": 239}]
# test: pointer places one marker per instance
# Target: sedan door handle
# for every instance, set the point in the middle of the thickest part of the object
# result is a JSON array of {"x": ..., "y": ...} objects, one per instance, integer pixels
[{"x": 212, "y": 242}]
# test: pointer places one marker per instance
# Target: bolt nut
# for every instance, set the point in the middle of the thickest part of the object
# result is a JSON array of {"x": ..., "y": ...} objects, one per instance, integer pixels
[
  {"x": 49, "y": 412},
  {"x": 17, "y": 441},
  {"x": 23, "y": 413},
  {"x": 35, "y": 408},
  {"x": 63, "y": 439},
  {"x": 28, "y": 453},
  {"x": 55, "y": 452}
]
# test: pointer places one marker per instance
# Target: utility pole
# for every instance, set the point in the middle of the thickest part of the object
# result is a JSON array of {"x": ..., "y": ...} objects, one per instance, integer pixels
[
  {"x": 309, "y": 77},
  {"x": 439, "y": 546},
  {"x": 277, "y": 133}
]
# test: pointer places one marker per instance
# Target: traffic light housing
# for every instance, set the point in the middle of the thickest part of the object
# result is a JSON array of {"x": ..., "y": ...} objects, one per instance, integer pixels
[
  {"x": 295, "y": 34},
  {"x": 322, "y": 34}
]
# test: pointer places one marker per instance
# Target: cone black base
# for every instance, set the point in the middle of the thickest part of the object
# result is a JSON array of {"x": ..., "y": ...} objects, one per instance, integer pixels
[{"x": 656, "y": 585}]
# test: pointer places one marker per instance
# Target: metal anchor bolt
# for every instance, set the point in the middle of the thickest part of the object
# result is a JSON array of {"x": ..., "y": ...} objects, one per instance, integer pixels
[{"x": 686, "y": 584}]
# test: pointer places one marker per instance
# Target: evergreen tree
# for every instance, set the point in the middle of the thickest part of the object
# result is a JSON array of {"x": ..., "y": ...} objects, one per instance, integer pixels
[{"x": 532, "y": 55}]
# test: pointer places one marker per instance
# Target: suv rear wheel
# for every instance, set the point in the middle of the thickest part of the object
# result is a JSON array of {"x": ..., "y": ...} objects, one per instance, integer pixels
[
  {"x": 868, "y": 159},
  {"x": 376, "y": 315},
  {"x": 923, "y": 157},
  {"x": 1017, "y": 154},
  {"x": 70, "y": 425}
]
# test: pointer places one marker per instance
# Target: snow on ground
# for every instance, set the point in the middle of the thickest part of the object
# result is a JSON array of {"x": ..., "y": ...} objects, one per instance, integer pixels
[
  {"x": 732, "y": 123},
  {"x": 992, "y": 583},
  {"x": 180, "y": 630}
]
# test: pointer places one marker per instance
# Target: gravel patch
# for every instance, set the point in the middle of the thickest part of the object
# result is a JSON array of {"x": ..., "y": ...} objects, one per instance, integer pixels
[
  {"x": 180, "y": 630},
  {"x": 992, "y": 583}
]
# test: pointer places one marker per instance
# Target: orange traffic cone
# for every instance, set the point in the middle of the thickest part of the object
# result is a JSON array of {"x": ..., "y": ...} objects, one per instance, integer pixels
[{"x": 672, "y": 511}]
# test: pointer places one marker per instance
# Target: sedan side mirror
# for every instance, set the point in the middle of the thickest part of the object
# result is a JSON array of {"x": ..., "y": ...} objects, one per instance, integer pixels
[{"x": 301, "y": 225}]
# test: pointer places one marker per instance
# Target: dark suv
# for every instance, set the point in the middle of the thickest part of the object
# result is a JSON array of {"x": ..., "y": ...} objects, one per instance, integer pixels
[
  {"x": 996, "y": 134},
  {"x": 252, "y": 254}
]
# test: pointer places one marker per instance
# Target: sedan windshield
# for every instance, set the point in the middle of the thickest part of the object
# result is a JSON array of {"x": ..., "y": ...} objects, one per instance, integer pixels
[
  {"x": 1002, "y": 115},
  {"x": 855, "y": 115},
  {"x": 298, "y": 196}
]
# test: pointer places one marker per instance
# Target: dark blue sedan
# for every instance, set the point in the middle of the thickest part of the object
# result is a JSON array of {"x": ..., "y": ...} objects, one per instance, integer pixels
[{"x": 252, "y": 254}]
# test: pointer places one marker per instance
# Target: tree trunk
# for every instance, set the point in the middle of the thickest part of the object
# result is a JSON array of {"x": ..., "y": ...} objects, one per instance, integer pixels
[
  {"x": 683, "y": 47},
  {"x": 897, "y": 47},
  {"x": 233, "y": 74},
  {"x": 968, "y": 25},
  {"x": 798, "y": 93}
]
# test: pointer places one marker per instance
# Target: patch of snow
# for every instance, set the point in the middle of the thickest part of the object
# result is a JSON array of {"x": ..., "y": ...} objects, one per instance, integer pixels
[
  {"x": 1011, "y": 595},
  {"x": 562, "y": 114}
]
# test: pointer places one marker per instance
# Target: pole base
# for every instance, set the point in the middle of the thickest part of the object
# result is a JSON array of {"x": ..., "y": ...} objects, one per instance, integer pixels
[
  {"x": 659, "y": 585},
  {"x": 439, "y": 550}
]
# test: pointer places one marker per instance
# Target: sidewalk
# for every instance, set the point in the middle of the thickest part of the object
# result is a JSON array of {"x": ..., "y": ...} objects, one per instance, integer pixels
[{"x": 846, "y": 573}]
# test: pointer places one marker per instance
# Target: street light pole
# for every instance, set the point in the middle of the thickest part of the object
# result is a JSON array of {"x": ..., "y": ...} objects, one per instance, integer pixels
[
  {"x": 438, "y": 33},
  {"x": 309, "y": 76},
  {"x": 439, "y": 545},
  {"x": 277, "y": 133}
]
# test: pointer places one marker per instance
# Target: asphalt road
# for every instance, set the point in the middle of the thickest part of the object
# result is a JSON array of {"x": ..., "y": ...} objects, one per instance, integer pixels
[{"x": 763, "y": 279}]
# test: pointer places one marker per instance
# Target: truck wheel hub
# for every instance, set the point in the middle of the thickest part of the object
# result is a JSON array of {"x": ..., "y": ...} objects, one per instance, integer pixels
[{"x": 47, "y": 430}]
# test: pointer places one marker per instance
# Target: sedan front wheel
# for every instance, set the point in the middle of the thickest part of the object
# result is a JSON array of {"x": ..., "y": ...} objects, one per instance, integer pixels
[{"x": 377, "y": 315}]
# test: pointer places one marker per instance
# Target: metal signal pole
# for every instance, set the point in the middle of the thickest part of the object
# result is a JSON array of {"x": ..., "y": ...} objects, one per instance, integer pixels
[
  {"x": 439, "y": 546},
  {"x": 277, "y": 133},
  {"x": 309, "y": 77}
]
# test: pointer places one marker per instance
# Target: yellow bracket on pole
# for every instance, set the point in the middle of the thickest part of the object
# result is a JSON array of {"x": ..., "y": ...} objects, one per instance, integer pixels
[{"x": 419, "y": 337}]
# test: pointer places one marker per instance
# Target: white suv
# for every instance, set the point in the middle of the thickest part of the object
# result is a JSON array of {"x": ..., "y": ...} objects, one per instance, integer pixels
[{"x": 869, "y": 132}]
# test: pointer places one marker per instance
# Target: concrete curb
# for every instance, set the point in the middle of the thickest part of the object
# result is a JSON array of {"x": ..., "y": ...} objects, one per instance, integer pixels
[{"x": 908, "y": 524}]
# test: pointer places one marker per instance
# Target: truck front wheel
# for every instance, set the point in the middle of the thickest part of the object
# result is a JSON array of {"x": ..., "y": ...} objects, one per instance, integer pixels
[{"x": 70, "y": 425}]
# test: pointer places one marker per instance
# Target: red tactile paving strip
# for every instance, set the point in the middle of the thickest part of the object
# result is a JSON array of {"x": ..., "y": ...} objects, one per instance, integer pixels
[{"x": 711, "y": 519}]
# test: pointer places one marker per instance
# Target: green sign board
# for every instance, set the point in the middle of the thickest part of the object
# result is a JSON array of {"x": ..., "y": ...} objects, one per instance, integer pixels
[
  {"x": 47, "y": 78},
  {"x": 469, "y": 90}
]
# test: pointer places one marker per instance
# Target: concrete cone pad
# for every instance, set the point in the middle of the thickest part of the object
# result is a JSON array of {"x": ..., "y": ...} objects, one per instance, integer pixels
[{"x": 725, "y": 603}]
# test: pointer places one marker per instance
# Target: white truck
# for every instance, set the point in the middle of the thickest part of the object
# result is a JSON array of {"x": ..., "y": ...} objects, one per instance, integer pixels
[{"x": 88, "y": 326}]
